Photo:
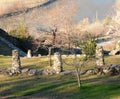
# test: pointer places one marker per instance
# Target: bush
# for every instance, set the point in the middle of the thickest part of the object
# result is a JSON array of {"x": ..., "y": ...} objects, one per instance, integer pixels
[
  {"x": 20, "y": 32},
  {"x": 24, "y": 40},
  {"x": 89, "y": 47}
]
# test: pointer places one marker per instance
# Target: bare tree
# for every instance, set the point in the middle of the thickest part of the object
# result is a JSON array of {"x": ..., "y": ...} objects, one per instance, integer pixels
[{"x": 56, "y": 18}]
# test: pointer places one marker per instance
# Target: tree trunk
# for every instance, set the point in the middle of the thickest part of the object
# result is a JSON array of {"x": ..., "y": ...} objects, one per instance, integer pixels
[
  {"x": 54, "y": 38},
  {"x": 78, "y": 69},
  {"x": 78, "y": 77},
  {"x": 50, "y": 61}
]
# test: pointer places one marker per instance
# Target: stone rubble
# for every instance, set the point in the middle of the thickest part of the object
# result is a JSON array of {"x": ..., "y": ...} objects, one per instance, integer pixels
[
  {"x": 32, "y": 72},
  {"x": 111, "y": 69},
  {"x": 25, "y": 70}
]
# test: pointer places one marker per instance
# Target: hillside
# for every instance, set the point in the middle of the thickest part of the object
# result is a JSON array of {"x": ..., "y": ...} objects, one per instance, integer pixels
[
  {"x": 29, "y": 16},
  {"x": 8, "y": 6},
  {"x": 43, "y": 17},
  {"x": 4, "y": 49}
]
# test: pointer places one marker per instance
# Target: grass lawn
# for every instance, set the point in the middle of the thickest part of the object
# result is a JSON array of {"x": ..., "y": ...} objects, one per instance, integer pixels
[{"x": 57, "y": 86}]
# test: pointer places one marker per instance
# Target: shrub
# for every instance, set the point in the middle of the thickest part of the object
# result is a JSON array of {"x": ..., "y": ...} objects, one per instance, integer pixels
[
  {"x": 24, "y": 40},
  {"x": 89, "y": 47},
  {"x": 20, "y": 32}
]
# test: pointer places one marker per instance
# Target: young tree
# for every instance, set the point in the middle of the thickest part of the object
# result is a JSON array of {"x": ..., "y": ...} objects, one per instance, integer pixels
[
  {"x": 88, "y": 45},
  {"x": 78, "y": 64}
]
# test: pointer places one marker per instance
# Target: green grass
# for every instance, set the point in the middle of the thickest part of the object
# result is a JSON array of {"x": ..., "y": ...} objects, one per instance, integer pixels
[
  {"x": 57, "y": 86},
  {"x": 98, "y": 91}
]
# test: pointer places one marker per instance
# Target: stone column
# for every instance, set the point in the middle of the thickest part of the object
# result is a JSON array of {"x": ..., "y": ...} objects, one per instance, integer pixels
[
  {"x": 57, "y": 66},
  {"x": 99, "y": 56},
  {"x": 16, "y": 65},
  {"x": 29, "y": 55}
]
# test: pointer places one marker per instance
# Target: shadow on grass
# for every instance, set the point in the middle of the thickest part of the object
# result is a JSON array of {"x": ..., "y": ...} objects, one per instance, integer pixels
[
  {"x": 100, "y": 91},
  {"x": 60, "y": 87},
  {"x": 32, "y": 85},
  {"x": 107, "y": 87}
]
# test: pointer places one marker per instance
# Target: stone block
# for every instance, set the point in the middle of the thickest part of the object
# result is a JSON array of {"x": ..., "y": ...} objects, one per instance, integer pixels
[{"x": 32, "y": 72}]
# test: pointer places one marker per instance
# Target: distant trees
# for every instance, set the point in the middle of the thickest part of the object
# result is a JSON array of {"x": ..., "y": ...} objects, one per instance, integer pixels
[
  {"x": 54, "y": 20},
  {"x": 57, "y": 18}
]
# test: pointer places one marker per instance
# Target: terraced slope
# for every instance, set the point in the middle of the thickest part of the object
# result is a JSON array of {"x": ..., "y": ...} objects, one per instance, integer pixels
[
  {"x": 9, "y": 6},
  {"x": 4, "y": 49},
  {"x": 26, "y": 8}
]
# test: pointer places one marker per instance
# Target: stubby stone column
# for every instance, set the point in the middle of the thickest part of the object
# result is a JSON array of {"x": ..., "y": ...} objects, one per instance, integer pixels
[
  {"x": 57, "y": 66},
  {"x": 29, "y": 55},
  {"x": 99, "y": 56},
  {"x": 16, "y": 65}
]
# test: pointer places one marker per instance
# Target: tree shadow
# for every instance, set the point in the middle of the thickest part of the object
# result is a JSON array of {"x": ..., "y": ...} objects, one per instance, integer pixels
[
  {"x": 32, "y": 85},
  {"x": 59, "y": 87}
]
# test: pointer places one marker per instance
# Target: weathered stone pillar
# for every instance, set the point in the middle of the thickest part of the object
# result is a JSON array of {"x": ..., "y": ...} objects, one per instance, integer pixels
[
  {"x": 29, "y": 55},
  {"x": 99, "y": 56},
  {"x": 16, "y": 65},
  {"x": 57, "y": 66}
]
